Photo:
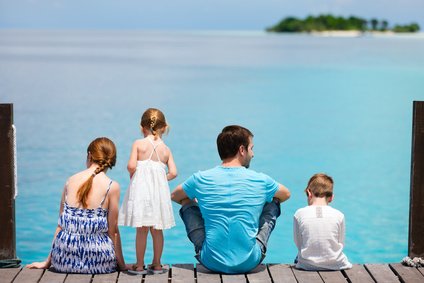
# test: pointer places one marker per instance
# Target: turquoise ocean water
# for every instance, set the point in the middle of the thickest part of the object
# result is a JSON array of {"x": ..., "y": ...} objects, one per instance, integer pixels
[{"x": 315, "y": 104}]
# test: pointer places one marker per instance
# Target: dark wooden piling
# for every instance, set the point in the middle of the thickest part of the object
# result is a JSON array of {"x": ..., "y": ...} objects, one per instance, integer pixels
[
  {"x": 416, "y": 206},
  {"x": 7, "y": 201}
]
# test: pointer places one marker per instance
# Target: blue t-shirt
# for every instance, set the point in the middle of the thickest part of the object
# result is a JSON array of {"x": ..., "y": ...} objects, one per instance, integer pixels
[{"x": 231, "y": 200}]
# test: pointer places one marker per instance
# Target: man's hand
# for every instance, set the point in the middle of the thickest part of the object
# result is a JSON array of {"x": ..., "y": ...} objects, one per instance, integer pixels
[{"x": 184, "y": 201}]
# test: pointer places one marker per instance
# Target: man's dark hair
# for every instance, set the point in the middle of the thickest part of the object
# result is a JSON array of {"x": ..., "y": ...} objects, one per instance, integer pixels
[{"x": 230, "y": 139}]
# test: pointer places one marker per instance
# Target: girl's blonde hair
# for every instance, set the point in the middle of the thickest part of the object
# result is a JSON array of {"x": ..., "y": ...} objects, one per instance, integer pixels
[
  {"x": 102, "y": 151},
  {"x": 154, "y": 121}
]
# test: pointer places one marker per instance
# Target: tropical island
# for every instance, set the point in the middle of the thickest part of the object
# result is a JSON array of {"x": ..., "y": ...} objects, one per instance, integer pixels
[{"x": 326, "y": 23}]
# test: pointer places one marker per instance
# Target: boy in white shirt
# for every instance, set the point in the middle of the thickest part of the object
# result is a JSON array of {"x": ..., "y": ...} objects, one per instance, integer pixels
[{"x": 319, "y": 229}]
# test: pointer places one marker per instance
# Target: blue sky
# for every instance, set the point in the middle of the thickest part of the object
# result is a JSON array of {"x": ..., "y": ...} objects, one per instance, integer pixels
[{"x": 192, "y": 14}]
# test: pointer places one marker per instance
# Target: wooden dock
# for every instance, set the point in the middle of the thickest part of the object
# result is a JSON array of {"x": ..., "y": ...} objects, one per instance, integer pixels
[{"x": 187, "y": 273}]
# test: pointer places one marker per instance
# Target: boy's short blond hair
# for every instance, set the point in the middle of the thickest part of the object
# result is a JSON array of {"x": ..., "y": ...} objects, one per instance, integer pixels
[{"x": 320, "y": 185}]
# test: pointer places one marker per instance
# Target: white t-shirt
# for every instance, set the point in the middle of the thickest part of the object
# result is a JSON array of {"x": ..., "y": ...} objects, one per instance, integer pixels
[{"x": 319, "y": 233}]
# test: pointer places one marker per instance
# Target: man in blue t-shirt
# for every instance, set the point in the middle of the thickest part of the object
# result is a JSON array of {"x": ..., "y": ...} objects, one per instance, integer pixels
[{"x": 230, "y": 211}]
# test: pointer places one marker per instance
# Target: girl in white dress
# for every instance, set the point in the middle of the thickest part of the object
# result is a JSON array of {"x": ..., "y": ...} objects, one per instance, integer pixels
[{"x": 147, "y": 203}]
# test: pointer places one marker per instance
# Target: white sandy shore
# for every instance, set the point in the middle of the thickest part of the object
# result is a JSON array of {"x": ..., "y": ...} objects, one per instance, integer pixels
[
  {"x": 338, "y": 33},
  {"x": 356, "y": 33}
]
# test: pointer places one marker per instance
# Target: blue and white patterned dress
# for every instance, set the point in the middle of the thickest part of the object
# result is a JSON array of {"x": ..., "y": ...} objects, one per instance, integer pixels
[{"x": 83, "y": 245}]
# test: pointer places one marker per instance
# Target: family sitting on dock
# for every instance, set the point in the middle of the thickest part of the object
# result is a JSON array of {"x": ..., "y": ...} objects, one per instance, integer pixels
[{"x": 229, "y": 211}]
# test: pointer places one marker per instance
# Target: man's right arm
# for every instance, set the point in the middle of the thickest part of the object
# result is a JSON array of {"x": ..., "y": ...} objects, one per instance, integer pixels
[
  {"x": 282, "y": 194},
  {"x": 179, "y": 195}
]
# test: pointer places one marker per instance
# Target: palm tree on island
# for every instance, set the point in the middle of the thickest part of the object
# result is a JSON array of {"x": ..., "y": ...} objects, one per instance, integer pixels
[{"x": 329, "y": 23}]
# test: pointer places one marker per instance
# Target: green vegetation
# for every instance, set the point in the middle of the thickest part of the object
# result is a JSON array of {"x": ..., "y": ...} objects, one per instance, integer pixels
[
  {"x": 332, "y": 23},
  {"x": 407, "y": 28}
]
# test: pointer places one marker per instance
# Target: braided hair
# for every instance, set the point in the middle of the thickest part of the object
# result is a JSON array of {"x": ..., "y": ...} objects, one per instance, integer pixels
[
  {"x": 103, "y": 153},
  {"x": 154, "y": 120}
]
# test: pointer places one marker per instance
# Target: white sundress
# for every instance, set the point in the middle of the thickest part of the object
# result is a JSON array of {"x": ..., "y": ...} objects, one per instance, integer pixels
[{"x": 147, "y": 202}]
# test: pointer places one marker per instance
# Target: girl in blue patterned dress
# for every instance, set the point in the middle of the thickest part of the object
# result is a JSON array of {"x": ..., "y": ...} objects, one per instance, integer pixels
[{"x": 87, "y": 238}]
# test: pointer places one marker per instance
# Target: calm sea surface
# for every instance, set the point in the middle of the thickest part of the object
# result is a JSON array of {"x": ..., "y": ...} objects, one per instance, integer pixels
[{"x": 337, "y": 105}]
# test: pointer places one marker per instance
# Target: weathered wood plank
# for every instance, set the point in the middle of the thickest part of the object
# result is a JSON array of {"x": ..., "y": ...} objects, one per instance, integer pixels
[
  {"x": 233, "y": 278},
  {"x": 204, "y": 275},
  {"x": 8, "y": 274},
  {"x": 259, "y": 275},
  {"x": 281, "y": 273},
  {"x": 53, "y": 277},
  {"x": 332, "y": 276},
  {"x": 78, "y": 278},
  {"x": 382, "y": 273},
  {"x": 277, "y": 273},
  {"x": 125, "y": 277},
  {"x": 105, "y": 278},
  {"x": 407, "y": 274},
  {"x": 421, "y": 270},
  {"x": 29, "y": 275},
  {"x": 307, "y": 276},
  {"x": 182, "y": 273},
  {"x": 158, "y": 278},
  {"x": 358, "y": 274}
]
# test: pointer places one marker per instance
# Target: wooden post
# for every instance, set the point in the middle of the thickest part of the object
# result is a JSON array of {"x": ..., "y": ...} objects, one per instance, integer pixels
[
  {"x": 7, "y": 201},
  {"x": 416, "y": 206}
]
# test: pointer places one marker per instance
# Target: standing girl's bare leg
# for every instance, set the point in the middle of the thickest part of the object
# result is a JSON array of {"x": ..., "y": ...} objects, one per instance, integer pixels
[
  {"x": 140, "y": 246},
  {"x": 158, "y": 241}
]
